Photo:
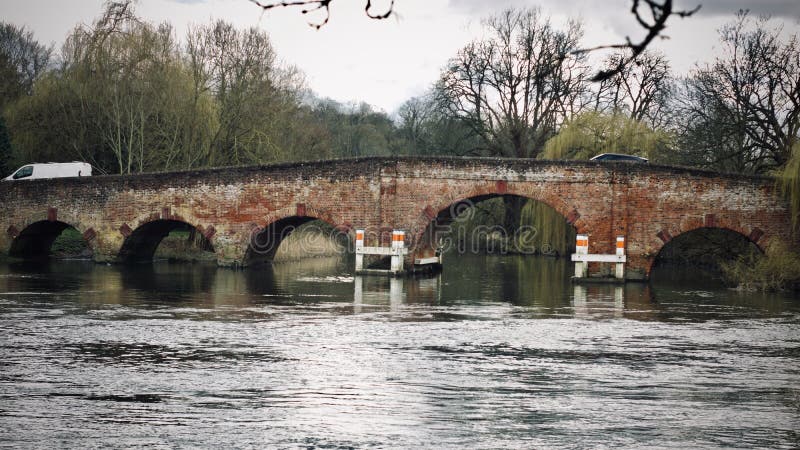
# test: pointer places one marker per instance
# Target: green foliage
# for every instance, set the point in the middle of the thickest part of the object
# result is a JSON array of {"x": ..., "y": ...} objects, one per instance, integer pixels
[
  {"x": 69, "y": 243},
  {"x": 592, "y": 133},
  {"x": 128, "y": 98},
  {"x": 5, "y": 149},
  {"x": 22, "y": 61},
  {"x": 542, "y": 229},
  {"x": 552, "y": 235},
  {"x": 181, "y": 245},
  {"x": 789, "y": 182},
  {"x": 355, "y": 130},
  {"x": 778, "y": 269}
]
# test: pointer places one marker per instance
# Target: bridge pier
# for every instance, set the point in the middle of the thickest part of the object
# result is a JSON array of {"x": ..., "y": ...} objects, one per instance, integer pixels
[{"x": 231, "y": 250}]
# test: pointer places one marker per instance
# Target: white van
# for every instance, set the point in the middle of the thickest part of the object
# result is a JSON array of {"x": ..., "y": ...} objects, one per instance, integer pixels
[{"x": 51, "y": 170}]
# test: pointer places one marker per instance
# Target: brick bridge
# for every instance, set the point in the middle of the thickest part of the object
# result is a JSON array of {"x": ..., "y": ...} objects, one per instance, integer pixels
[{"x": 124, "y": 217}]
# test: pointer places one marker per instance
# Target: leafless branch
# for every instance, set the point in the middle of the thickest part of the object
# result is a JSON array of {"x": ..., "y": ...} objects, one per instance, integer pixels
[
  {"x": 316, "y": 5},
  {"x": 660, "y": 11}
]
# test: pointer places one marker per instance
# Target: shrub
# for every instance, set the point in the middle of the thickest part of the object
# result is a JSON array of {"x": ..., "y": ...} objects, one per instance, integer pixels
[{"x": 777, "y": 269}]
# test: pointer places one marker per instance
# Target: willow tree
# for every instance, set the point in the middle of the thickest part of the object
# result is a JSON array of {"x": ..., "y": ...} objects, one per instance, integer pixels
[
  {"x": 592, "y": 133},
  {"x": 587, "y": 135},
  {"x": 789, "y": 181},
  {"x": 259, "y": 115},
  {"x": 125, "y": 91}
]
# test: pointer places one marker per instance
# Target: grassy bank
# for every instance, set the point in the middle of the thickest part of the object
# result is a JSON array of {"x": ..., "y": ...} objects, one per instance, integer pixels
[
  {"x": 778, "y": 269},
  {"x": 312, "y": 240},
  {"x": 185, "y": 246},
  {"x": 308, "y": 241}
]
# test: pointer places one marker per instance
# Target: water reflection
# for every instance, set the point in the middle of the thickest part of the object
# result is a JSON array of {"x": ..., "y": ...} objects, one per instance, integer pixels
[
  {"x": 499, "y": 352},
  {"x": 532, "y": 286}
]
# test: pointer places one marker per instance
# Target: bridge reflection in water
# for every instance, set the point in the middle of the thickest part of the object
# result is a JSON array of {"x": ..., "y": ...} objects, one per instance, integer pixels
[{"x": 525, "y": 287}]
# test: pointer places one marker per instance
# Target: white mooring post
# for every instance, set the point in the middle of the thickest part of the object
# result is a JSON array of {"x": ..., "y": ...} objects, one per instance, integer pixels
[
  {"x": 398, "y": 243},
  {"x": 359, "y": 246},
  {"x": 581, "y": 248},
  {"x": 620, "y": 272}
]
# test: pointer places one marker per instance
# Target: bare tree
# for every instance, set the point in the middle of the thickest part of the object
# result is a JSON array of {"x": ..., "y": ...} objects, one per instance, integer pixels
[
  {"x": 743, "y": 111},
  {"x": 640, "y": 89},
  {"x": 426, "y": 128},
  {"x": 514, "y": 88}
]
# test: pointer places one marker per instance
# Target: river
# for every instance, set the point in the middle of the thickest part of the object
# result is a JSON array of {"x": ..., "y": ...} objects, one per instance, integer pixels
[{"x": 496, "y": 352}]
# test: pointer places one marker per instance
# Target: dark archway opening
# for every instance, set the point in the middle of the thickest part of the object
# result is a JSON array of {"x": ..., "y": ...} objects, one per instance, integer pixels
[
  {"x": 49, "y": 239},
  {"x": 185, "y": 243},
  {"x": 700, "y": 254},
  {"x": 481, "y": 225}
]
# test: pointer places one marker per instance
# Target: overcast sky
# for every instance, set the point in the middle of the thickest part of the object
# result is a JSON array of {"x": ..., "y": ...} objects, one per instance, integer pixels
[{"x": 385, "y": 62}]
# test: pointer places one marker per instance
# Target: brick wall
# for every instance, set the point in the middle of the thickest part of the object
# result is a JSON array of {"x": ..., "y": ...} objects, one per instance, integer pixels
[{"x": 647, "y": 204}]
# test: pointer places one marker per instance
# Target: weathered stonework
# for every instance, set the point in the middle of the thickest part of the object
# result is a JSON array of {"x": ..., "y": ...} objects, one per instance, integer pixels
[{"x": 648, "y": 204}]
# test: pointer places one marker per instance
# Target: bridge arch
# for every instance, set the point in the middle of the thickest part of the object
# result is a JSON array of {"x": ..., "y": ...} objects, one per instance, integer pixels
[
  {"x": 725, "y": 240},
  {"x": 264, "y": 239},
  {"x": 36, "y": 238},
  {"x": 447, "y": 208},
  {"x": 140, "y": 244}
]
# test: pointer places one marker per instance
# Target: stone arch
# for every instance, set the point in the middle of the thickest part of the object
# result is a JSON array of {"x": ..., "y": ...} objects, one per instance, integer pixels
[
  {"x": 265, "y": 238},
  {"x": 432, "y": 211},
  {"x": 48, "y": 224},
  {"x": 665, "y": 237},
  {"x": 35, "y": 240},
  {"x": 140, "y": 242}
]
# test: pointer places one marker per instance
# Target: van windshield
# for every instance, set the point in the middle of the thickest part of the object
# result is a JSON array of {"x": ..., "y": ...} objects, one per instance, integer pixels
[{"x": 24, "y": 172}]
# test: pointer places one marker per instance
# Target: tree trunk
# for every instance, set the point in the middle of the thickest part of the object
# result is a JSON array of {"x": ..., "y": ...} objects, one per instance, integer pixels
[{"x": 513, "y": 213}]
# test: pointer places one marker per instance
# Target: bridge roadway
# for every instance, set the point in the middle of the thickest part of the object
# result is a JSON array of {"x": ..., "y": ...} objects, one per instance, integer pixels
[{"x": 246, "y": 211}]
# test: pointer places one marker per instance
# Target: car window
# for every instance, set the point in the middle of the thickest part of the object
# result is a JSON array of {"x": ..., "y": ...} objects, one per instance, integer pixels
[{"x": 24, "y": 172}]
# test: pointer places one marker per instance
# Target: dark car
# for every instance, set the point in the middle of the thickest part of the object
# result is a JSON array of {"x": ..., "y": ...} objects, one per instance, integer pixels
[{"x": 618, "y": 157}]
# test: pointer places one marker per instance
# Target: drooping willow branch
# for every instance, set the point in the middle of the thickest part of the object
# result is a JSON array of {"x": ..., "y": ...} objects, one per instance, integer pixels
[
  {"x": 660, "y": 11},
  {"x": 316, "y": 5}
]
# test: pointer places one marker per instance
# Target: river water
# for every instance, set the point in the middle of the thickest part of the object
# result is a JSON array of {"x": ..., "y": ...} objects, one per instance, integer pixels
[{"x": 496, "y": 352}]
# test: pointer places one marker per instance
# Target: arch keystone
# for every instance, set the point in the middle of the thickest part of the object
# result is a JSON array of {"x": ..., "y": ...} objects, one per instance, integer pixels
[
  {"x": 89, "y": 235},
  {"x": 710, "y": 220},
  {"x": 209, "y": 232},
  {"x": 429, "y": 212},
  {"x": 573, "y": 216},
  {"x": 501, "y": 187},
  {"x": 756, "y": 234}
]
